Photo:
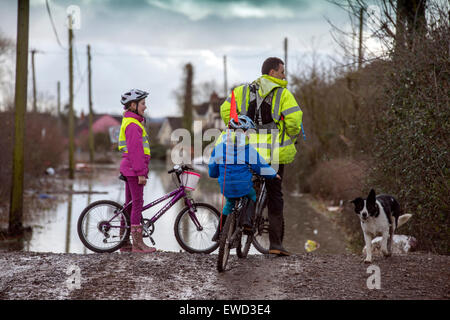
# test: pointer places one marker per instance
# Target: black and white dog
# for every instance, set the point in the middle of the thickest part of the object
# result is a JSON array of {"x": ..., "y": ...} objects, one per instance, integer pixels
[{"x": 379, "y": 215}]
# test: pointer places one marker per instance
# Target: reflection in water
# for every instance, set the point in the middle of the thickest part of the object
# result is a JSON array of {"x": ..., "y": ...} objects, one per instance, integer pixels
[
  {"x": 55, "y": 230},
  {"x": 69, "y": 218}
]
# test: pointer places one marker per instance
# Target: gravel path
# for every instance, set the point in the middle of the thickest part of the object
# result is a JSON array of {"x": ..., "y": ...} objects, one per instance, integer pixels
[{"x": 173, "y": 276}]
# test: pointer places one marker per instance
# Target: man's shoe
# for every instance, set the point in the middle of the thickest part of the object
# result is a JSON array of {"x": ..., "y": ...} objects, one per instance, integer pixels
[{"x": 280, "y": 251}]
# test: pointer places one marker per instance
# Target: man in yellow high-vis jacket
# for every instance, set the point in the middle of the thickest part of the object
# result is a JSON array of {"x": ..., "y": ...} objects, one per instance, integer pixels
[{"x": 278, "y": 119}]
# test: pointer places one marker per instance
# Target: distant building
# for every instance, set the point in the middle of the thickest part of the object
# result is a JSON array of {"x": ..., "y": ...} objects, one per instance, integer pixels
[
  {"x": 160, "y": 131},
  {"x": 101, "y": 123},
  {"x": 167, "y": 127},
  {"x": 209, "y": 113}
]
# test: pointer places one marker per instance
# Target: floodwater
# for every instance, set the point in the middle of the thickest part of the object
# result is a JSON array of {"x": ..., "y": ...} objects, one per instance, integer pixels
[{"x": 55, "y": 229}]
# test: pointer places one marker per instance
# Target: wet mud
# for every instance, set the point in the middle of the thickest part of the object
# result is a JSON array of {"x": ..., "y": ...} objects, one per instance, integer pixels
[{"x": 175, "y": 276}]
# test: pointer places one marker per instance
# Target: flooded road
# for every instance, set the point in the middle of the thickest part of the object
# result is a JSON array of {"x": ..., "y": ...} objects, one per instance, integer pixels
[{"x": 55, "y": 229}]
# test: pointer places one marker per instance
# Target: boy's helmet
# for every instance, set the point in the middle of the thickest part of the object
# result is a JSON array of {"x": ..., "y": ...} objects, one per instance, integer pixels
[
  {"x": 133, "y": 95},
  {"x": 244, "y": 123}
]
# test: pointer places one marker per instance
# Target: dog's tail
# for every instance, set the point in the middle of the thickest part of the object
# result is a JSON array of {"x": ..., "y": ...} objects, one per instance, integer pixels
[{"x": 403, "y": 219}]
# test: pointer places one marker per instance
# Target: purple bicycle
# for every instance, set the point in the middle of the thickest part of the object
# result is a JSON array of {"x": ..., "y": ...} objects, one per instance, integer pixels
[{"x": 104, "y": 225}]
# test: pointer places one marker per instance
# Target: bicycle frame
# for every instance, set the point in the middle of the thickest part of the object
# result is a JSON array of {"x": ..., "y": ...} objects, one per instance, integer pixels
[
  {"x": 262, "y": 194},
  {"x": 174, "y": 197}
]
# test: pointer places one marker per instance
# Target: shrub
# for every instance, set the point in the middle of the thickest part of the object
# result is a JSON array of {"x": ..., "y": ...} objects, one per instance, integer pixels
[
  {"x": 411, "y": 146},
  {"x": 338, "y": 179},
  {"x": 43, "y": 147}
]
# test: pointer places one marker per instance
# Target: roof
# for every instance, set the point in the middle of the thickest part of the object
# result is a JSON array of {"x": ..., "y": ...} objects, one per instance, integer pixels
[
  {"x": 153, "y": 129},
  {"x": 175, "y": 122},
  {"x": 201, "y": 109},
  {"x": 216, "y": 102},
  {"x": 100, "y": 123}
]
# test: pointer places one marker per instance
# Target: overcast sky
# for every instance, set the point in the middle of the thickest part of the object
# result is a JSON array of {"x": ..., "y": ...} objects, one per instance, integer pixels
[{"x": 145, "y": 44}]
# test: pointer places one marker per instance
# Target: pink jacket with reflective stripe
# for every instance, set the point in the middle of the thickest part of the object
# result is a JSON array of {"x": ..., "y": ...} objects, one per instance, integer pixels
[{"x": 135, "y": 162}]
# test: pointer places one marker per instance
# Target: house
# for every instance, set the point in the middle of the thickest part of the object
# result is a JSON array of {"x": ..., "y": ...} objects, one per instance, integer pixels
[
  {"x": 209, "y": 113},
  {"x": 101, "y": 123},
  {"x": 167, "y": 127},
  {"x": 153, "y": 126}
]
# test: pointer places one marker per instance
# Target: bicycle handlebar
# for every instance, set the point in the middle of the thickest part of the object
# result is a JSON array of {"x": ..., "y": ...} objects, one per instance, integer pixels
[{"x": 177, "y": 168}]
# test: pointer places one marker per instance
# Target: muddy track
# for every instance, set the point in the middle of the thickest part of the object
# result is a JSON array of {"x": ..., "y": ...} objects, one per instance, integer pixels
[{"x": 170, "y": 276}]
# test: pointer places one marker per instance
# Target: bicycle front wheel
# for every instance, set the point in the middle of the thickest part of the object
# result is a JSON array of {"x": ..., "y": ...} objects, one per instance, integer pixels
[
  {"x": 225, "y": 242},
  {"x": 195, "y": 239},
  {"x": 103, "y": 227}
]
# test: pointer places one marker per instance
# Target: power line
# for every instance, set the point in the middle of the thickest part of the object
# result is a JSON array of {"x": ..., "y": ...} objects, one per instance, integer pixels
[
  {"x": 80, "y": 83},
  {"x": 53, "y": 24}
]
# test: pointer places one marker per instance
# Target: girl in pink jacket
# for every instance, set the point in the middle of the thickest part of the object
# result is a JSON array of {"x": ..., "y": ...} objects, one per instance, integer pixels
[{"x": 133, "y": 142}]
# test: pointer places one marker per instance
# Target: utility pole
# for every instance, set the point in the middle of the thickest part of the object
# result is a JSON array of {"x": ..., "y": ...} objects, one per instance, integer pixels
[
  {"x": 58, "y": 88},
  {"x": 285, "y": 56},
  {"x": 71, "y": 120},
  {"x": 225, "y": 85},
  {"x": 33, "y": 52},
  {"x": 20, "y": 100},
  {"x": 187, "y": 107},
  {"x": 361, "y": 22},
  {"x": 91, "y": 115}
]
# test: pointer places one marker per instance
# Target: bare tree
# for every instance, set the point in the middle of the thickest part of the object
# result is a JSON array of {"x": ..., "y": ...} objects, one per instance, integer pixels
[{"x": 396, "y": 24}]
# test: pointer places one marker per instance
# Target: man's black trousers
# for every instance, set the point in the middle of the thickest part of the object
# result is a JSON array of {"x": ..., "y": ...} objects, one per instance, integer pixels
[{"x": 275, "y": 207}]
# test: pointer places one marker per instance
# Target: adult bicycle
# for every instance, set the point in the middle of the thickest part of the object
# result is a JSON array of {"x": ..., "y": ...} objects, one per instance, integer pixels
[{"x": 260, "y": 238}]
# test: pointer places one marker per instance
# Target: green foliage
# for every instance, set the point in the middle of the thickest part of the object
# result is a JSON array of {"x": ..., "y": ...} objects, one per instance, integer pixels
[
  {"x": 412, "y": 143},
  {"x": 391, "y": 116}
]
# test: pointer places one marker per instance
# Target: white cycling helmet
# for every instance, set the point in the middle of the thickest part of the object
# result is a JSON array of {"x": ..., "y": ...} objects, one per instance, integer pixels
[{"x": 133, "y": 95}]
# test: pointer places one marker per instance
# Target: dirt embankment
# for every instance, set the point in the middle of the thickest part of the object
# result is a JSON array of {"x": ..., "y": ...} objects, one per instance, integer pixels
[{"x": 168, "y": 275}]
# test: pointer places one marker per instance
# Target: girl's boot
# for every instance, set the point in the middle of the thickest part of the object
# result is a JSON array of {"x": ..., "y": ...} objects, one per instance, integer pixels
[{"x": 138, "y": 242}]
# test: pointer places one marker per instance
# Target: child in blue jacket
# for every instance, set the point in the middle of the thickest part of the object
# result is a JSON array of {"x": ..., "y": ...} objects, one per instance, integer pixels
[{"x": 242, "y": 160}]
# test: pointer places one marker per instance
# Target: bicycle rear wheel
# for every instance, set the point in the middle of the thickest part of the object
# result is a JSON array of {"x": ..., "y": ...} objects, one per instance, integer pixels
[
  {"x": 100, "y": 224},
  {"x": 225, "y": 242},
  {"x": 193, "y": 239},
  {"x": 261, "y": 239}
]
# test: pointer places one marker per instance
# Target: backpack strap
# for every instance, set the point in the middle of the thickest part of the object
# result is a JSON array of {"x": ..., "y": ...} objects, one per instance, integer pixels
[{"x": 244, "y": 100}]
